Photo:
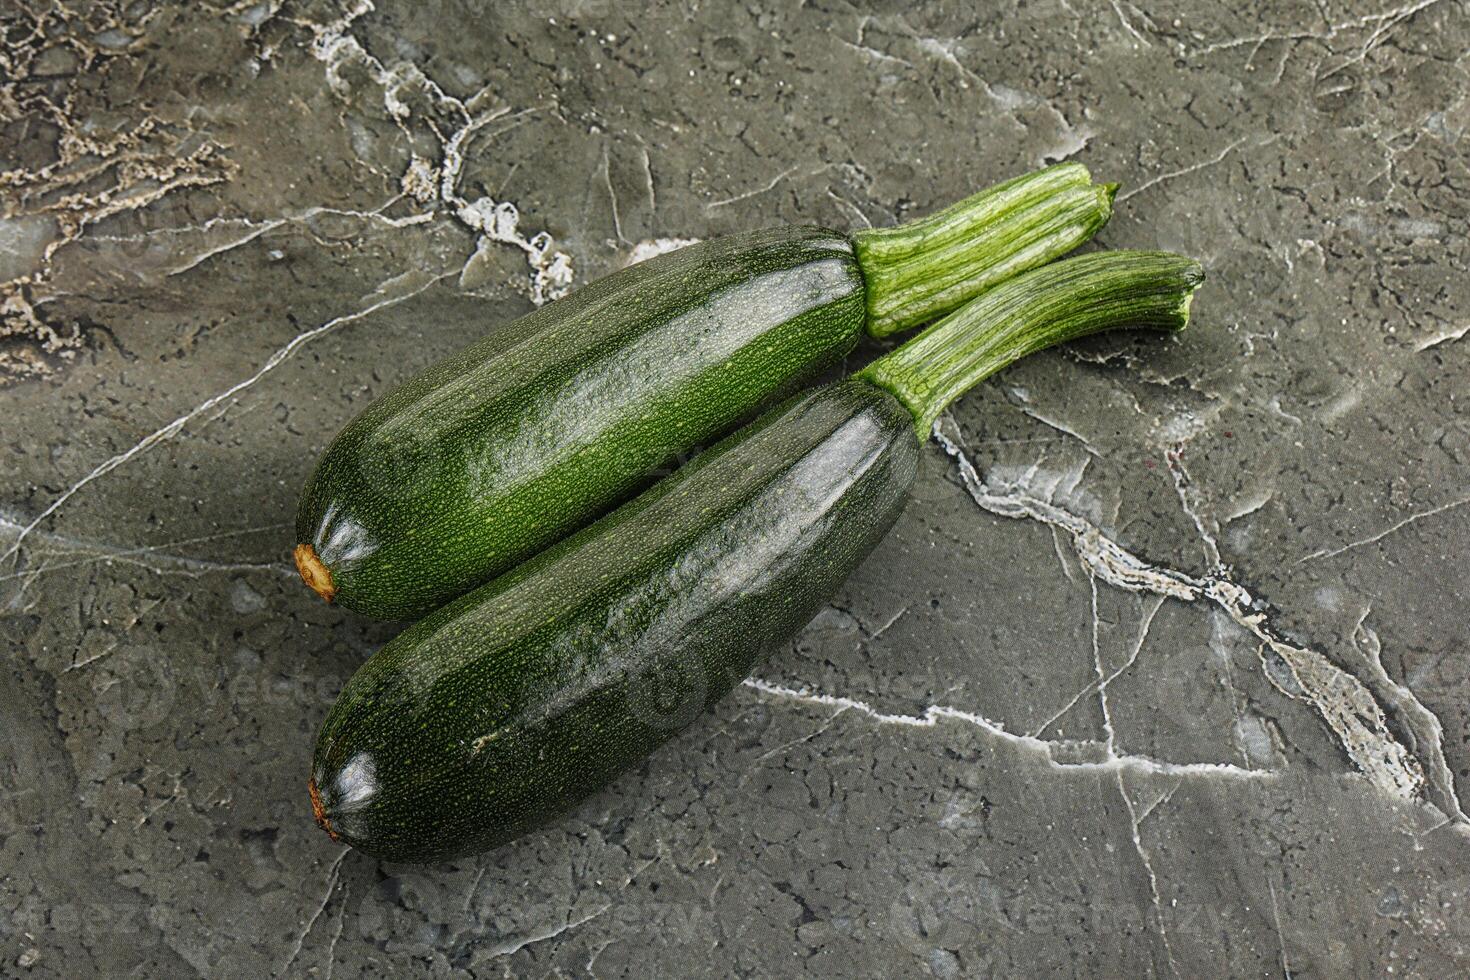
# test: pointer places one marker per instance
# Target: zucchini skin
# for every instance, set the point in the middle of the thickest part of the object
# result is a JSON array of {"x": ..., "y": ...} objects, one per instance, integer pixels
[
  {"x": 509, "y": 706},
  {"x": 495, "y": 453}
]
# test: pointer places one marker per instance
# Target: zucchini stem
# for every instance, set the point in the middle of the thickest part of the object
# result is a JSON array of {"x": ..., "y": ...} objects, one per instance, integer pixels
[
  {"x": 928, "y": 267},
  {"x": 1046, "y": 306}
]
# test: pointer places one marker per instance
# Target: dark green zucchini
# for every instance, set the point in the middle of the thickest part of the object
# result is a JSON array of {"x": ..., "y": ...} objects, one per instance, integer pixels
[
  {"x": 508, "y": 706},
  {"x": 495, "y": 453}
]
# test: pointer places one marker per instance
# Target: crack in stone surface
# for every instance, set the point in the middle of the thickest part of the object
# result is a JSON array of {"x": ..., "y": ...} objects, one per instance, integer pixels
[
  {"x": 417, "y": 283},
  {"x": 1101, "y": 683},
  {"x": 552, "y": 931},
  {"x": 96, "y": 173},
  {"x": 769, "y": 185},
  {"x": 494, "y": 222},
  {"x": 1128, "y": 25},
  {"x": 1407, "y": 704},
  {"x": 1341, "y": 699},
  {"x": 332, "y": 878},
  {"x": 97, "y": 176},
  {"x": 1444, "y": 337},
  {"x": 542, "y": 935},
  {"x": 1280, "y": 936},
  {"x": 250, "y": 230},
  {"x": 1043, "y": 748},
  {"x": 1332, "y": 29},
  {"x": 1169, "y": 175},
  {"x": 1184, "y": 487},
  {"x": 72, "y": 553},
  {"x": 1144, "y": 858},
  {"x": 1325, "y": 553}
]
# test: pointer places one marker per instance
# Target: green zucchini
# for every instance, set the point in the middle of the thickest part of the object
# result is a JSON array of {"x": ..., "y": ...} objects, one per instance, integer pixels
[
  {"x": 499, "y": 451},
  {"x": 508, "y": 706}
]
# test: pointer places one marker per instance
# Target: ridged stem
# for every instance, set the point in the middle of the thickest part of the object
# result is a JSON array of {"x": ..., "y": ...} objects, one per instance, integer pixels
[
  {"x": 1046, "y": 306},
  {"x": 928, "y": 267}
]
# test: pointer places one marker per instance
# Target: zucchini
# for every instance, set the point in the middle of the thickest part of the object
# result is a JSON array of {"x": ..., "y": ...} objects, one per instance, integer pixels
[
  {"x": 497, "y": 452},
  {"x": 508, "y": 706}
]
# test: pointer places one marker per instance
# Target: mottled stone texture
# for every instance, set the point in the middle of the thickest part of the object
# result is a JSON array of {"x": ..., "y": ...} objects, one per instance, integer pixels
[{"x": 1162, "y": 673}]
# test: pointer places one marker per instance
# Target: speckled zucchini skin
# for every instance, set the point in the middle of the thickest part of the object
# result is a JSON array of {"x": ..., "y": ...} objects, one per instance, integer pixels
[
  {"x": 497, "y": 452},
  {"x": 510, "y": 705}
]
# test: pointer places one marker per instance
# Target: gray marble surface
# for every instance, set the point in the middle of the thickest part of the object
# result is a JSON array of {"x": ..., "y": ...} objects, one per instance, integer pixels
[{"x": 1163, "y": 672}]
